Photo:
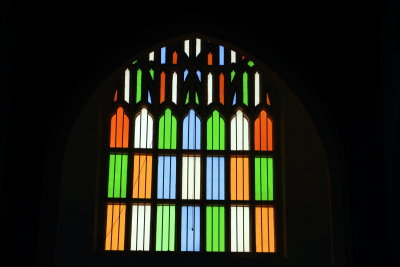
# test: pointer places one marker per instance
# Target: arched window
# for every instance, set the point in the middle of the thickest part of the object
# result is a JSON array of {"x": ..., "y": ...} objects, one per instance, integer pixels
[{"x": 194, "y": 170}]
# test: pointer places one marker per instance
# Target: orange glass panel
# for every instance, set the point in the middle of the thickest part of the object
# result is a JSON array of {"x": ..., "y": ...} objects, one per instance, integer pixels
[
  {"x": 263, "y": 132},
  {"x": 209, "y": 59},
  {"x": 115, "y": 95},
  {"x": 119, "y": 130},
  {"x": 115, "y": 228},
  {"x": 162, "y": 87},
  {"x": 268, "y": 101},
  {"x": 239, "y": 178},
  {"x": 175, "y": 58},
  {"x": 142, "y": 166},
  {"x": 221, "y": 88},
  {"x": 265, "y": 229}
]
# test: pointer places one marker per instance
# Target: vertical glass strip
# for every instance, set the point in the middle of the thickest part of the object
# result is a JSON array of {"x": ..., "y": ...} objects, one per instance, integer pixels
[
  {"x": 209, "y": 59},
  {"x": 151, "y": 56},
  {"x": 233, "y": 56},
  {"x": 115, "y": 227},
  {"x": 256, "y": 89},
  {"x": 187, "y": 47},
  {"x": 142, "y": 169},
  {"x": 263, "y": 132},
  {"x": 191, "y": 172},
  {"x": 175, "y": 58},
  {"x": 198, "y": 46},
  {"x": 191, "y": 131},
  {"x": 151, "y": 71},
  {"x": 209, "y": 89},
  {"x": 215, "y": 178},
  {"x": 240, "y": 228},
  {"x": 139, "y": 85},
  {"x": 190, "y": 225},
  {"x": 117, "y": 176},
  {"x": 163, "y": 56},
  {"x": 215, "y": 132},
  {"x": 185, "y": 73},
  {"x": 175, "y": 88},
  {"x": 239, "y": 131},
  {"x": 265, "y": 229},
  {"x": 126, "y": 87},
  {"x": 162, "y": 87},
  {"x": 140, "y": 231},
  {"x": 245, "y": 89},
  {"x": 143, "y": 130},
  {"x": 263, "y": 170},
  {"x": 221, "y": 88},
  {"x": 119, "y": 129},
  {"x": 165, "y": 228},
  {"x": 167, "y": 131},
  {"x": 221, "y": 55},
  {"x": 215, "y": 228},
  {"x": 232, "y": 75},
  {"x": 198, "y": 75},
  {"x": 239, "y": 178},
  {"x": 166, "y": 177}
]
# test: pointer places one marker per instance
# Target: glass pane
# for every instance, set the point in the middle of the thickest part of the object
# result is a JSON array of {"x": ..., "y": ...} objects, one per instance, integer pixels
[
  {"x": 140, "y": 231},
  {"x": 263, "y": 132},
  {"x": 239, "y": 178},
  {"x": 209, "y": 59},
  {"x": 143, "y": 130},
  {"x": 175, "y": 88},
  {"x": 215, "y": 228},
  {"x": 209, "y": 88},
  {"x": 162, "y": 87},
  {"x": 185, "y": 73},
  {"x": 187, "y": 47},
  {"x": 148, "y": 97},
  {"x": 265, "y": 229},
  {"x": 191, "y": 131},
  {"x": 263, "y": 178},
  {"x": 233, "y": 56},
  {"x": 119, "y": 129},
  {"x": 256, "y": 89},
  {"x": 215, "y": 178},
  {"x": 165, "y": 228},
  {"x": 166, "y": 181},
  {"x": 245, "y": 89},
  {"x": 142, "y": 169},
  {"x": 117, "y": 175},
  {"x": 126, "y": 90},
  {"x": 221, "y": 55},
  {"x": 198, "y": 75},
  {"x": 167, "y": 131},
  {"x": 163, "y": 52},
  {"x": 198, "y": 46},
  {"x": 190, "y": 234},
  {"x": 232, "y": 75},
  {"x": 239, "y": 132},
  {"x": 138, "y": 85},
  {"x": 240, "y": 228},
  {"x": 191, "y": 171},
  {"x": 215, "y": 132},
  {"x": 151, "y": 56},
  {"x": 115, "y": 227},
  {"x": 175, "y": 58},
  {"x": 221, "y": 88}
]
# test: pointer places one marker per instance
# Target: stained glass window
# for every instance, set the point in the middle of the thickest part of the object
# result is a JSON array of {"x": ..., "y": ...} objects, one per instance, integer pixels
[{"x": 191, "y": 160}]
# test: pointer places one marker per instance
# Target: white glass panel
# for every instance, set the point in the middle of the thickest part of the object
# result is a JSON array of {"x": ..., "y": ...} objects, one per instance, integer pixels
[
  {"x": 209, "y": 88},
  {"x": 187, "y": 47},
  {"x": 256, "y": 89},
  {"x": 191, "y": 172},
  {"x": 140, "y": 234},
  {"x": 240, "y": 229},
  {"x": 198, "y": 46},
  {"x": 233, "y": 56},
  {"x": 239, "y": 132},
  {"x": 126, "y": 91},
  {"x": 151, "y": 56},
  {"x": 143, "y": 130},
  {"x": 174, "y": 88}
]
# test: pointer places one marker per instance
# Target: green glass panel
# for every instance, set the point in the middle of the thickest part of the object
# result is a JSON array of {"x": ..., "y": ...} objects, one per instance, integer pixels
[
  {"x": 161, "y": 130},
  {"x": 215, "y": 129},
  {"x": 151, "y": 73},
  {"x": 263, "y": 174},
  {"x": 117, "y": 176},
  {"x": 167, "y": 131},
  {"x": 138, "y": 86},
  {"x": 134, "y": 62},
  {"x": 197, "y": 99},
  {"x": 187, "y": 98},
  {"x": 221, "y": 133},
  {"x": 165, "y": 228},
  {"x": 245, "y": 88},
  {"x": 215, "y": 228},
  {"x": 173, "y": 132},
  {"x": 270, "y": 176},
  {"x": 250, "y": 63},
  {"x": 257, "y": 178},
  {"x": 232, "y": 75},
  {"x": 215, "y": 132},
  {"x": 209, "y": 133}
]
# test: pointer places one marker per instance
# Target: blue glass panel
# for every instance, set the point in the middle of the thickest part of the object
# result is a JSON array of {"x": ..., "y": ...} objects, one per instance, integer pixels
[
  {"x": 221, "y": 55},
  {"x": 185, "y": 73},
  {"x": 191, "y": 131},
  {"x": 198, "y": 75},
  {"x": 163, "y": 51},
  {"x": 166, "y": 181},
  {"x": 148, "y": 97},
  {"x": 215, "y": 178},
  {"x": 190, "y": 234},
  {"x": 234, "y": 99}
]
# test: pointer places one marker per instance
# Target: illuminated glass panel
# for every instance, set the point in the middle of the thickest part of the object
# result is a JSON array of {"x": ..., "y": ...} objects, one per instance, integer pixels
[
  {"x": 215, "y": 132},
  {"x": 162, "y": 87},
  {"x": 191, "y": 171},
  {"x": 263, "y": 178},
  {"x": 143, "y": 130},
  {"x": 163, "y": 56},
  {"x": 142, "y": 170},
  {"x": 239, "y": 131},
  {"x": 256, "y": 89},
  {"x": 240, "y": 228},
  {"x": 215, "y": 228},
  {"x": 119, "y": 129},
  {"x": 239, "y": 178},
  {"x": 191, "y": 131},
  {"x": 263, "y": 132},
  {"x": 174, "y": 58},
  {"x": 198, "y": 46},
  {"x": 209, "y": 59},
  {"x": 166, "y": 181},
  {"x": 140, "y": 231},
  {"x": 209, "y": 88},
  {"x": 165, "y": 228},
  {"x": 138, "y": 85},
  {"x": 185, "y": 73},
  {"x": 115, "y": 227},
  {"x": 221, "y": 88},
  {"x": 221, "y": 55},
  {"x": 245, "y": 88},
  {"x": 175, "y": 88},
  {"x": 190, "y": 225},
  {"x": 151, "y": 56},
  {"x": 233, "y": 56},
  {"x": 265, "y": 229},
  {"x": 126, "y": 87},
  {"x": 117, "y": 175},
  {"x": 215, "y": 178},
  {"x": 187, "y": 47},
  {"x": 167, "y": 131}
]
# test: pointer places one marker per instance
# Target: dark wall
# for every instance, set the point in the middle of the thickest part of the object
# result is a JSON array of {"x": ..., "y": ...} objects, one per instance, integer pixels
[{"x": 55, "y": 55}]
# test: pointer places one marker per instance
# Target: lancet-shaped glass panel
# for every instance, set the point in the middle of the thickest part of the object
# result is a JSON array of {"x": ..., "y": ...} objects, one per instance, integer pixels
[
  {"x": 239, "y": 131},
  {"x": 167, "y": 131},
  {"x": 263, "y": 132},
  {"x": 126, "y": 85},
  {"x": 215, "y": 132},
  {"x": 191, "y": 137},
  {"x": 143, "y": 130},
  {"x": 119, "y": 129}
]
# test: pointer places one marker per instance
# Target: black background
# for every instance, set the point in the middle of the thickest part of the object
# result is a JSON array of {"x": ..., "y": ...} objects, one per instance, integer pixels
[{"x": 349, "y": 55}]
